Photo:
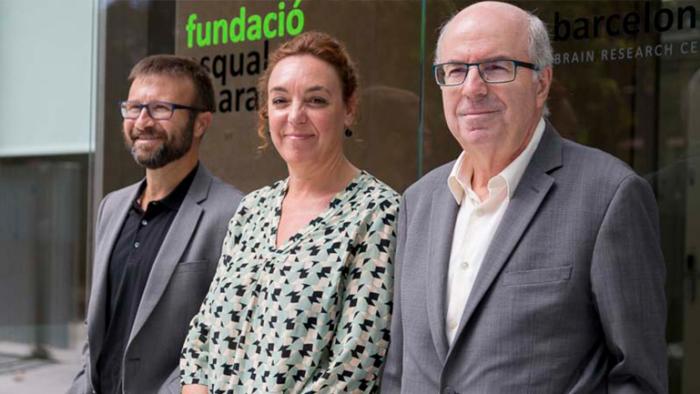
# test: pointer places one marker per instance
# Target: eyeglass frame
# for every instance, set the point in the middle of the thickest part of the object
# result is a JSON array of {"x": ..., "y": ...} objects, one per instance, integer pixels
[
  {"x": 141, "y": 106},
  {"x": 516, "y": 64}
]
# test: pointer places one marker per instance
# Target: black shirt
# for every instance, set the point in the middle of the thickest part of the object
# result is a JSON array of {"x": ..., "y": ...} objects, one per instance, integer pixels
[{"x": 130, "y": 264}]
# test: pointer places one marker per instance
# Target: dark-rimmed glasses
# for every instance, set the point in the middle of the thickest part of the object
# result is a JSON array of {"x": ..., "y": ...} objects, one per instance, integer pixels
[
  {"x": 158, "y": 110},
  {"x": 492, "y": 71}
]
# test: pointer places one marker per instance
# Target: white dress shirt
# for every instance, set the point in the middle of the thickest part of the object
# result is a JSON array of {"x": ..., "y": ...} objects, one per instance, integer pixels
[{"x": 476, "y": 223}]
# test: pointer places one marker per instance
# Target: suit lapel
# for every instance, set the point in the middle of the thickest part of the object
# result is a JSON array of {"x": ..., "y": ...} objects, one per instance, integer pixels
[
  {"x": 533, "y": 187},
  {"x": 173, "y": 247},
  {"x": 443, "y": 214},
  {"x": 97, "y": 307}
]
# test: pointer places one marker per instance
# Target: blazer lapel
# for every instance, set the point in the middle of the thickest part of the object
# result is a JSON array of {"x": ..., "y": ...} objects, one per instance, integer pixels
[
  {"x": 533, "y": 187},
  {"x": 97, "y": 306},
  {"x": 181, "y": 231},
  {"x": 443, "y": 214}
]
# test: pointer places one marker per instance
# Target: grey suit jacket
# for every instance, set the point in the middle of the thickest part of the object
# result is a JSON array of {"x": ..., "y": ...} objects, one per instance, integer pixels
[
  {"x": 569, "y": 297},
  {"x": 179, "y": 279}
]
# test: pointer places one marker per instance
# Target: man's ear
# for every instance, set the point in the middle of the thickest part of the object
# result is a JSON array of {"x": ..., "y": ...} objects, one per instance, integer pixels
[
  {"x": 202, "y": 123},
  {"x": 544, "y": 82}
]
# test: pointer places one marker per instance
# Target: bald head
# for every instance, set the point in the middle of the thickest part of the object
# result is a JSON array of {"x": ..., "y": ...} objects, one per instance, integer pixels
[
  {"x": 496, "y": 17},
  {"x": 493, "y": 120}
]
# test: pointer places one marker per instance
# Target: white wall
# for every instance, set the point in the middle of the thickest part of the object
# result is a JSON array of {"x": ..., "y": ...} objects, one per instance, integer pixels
[{"x": 46, "y": 68}]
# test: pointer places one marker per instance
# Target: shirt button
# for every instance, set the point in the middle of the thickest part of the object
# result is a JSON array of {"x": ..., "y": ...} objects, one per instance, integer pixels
[
  {"x": 144, "y": 222},
  {"x": 137, "y": 244},
  {"x": 452, "y": 324},
  {"x": 464, "y": 265}
]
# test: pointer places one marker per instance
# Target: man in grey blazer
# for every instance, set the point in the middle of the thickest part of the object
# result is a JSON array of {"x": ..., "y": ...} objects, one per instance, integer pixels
[
  {"x": 532, "y": 263},
  {"x": 157, "y": 242}
]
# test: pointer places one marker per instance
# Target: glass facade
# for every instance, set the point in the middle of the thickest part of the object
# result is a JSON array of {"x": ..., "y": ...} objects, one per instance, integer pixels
[
  {"x": 626, "y": 81},
  {"x": 47, "y": 143}
]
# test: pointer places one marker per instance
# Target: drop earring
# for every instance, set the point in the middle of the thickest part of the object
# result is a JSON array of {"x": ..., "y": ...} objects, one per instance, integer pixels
[{"x": 348, "y": 132}]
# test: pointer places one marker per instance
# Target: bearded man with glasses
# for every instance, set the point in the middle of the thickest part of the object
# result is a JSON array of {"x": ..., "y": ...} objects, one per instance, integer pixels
[
  {"x": 531, "y": 264},
  {"x": 157, "y": 242}
]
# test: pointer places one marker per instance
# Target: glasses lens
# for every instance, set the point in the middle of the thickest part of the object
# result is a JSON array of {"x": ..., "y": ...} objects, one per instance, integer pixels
[
  {"x": 130, "y": 109},
  {"x": 450, "y": 74},
  {"x": 160, "y": 111},
  {"x": 498, "y": 71}
]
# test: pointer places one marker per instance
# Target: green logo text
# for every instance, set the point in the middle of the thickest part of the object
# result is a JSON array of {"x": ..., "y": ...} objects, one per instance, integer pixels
[{"x": 245, "y": 27}]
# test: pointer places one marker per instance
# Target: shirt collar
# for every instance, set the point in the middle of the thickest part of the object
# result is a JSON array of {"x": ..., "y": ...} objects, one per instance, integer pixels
[
  {"x": 511, "y": 174},
  {"x": 457, "y": 188},
  {"x": 177, "y": 196}
]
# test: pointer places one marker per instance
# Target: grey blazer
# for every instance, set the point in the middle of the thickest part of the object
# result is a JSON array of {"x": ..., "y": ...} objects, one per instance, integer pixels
[
  {"x": 179, "y": 279},
  {"x": 569, "y": 297}
]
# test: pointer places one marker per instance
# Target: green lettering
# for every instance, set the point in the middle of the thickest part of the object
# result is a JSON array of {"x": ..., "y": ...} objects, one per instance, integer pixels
[
  {"x": 243, "y": 27},
  {"x": 204, "y": 38},
  {"x": 295, "y": 20},
  {"x": 254, "y": 30},
  {"x": 266, "y": 25},
  {"x": 190, "y": 29},
  {"x": 237, "y": 27},
  {"x": 220, "y": 26},
  {"x": 280, "y": 19}
]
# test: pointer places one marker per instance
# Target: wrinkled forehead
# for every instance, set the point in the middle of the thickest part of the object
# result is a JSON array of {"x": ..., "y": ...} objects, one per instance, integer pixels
[
  {"x": 304, "y": 70},
  {"x": 485, "y": 31},
  {"x": 164, "y": 84}
]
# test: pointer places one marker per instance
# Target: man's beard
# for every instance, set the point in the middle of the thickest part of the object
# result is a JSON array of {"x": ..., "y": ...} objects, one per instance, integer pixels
[{"x": 174, "y": 147}]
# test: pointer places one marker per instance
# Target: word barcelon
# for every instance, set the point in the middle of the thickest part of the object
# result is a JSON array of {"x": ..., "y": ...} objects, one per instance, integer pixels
[
  {"x": 631, "y": 23},
  {"x": 241, "y": 28}
]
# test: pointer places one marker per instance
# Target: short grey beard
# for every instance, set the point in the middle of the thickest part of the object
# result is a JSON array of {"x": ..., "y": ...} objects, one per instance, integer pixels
[{"x": 166, "y": 154}]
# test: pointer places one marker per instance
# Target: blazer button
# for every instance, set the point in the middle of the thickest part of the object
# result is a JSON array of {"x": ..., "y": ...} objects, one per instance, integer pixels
[{"x": 448, "y": 390}]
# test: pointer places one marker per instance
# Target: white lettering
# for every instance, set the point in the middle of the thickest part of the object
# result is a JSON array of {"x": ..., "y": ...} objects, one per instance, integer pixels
[{"x": 688, "y": 47}]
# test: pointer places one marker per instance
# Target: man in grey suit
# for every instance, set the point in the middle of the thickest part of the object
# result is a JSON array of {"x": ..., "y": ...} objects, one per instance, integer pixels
[
  {"x": 157, "y": 242},
  {"x": 531, "y": 264}
]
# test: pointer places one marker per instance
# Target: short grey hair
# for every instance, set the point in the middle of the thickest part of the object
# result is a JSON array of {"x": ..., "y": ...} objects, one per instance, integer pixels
[{"x": 539, "y": 46}]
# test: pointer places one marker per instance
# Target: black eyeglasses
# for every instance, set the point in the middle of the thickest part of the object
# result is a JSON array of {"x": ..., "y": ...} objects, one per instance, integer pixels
[
  {"x": 158, "y": 110},
  {"x": 492, "y": 71}
]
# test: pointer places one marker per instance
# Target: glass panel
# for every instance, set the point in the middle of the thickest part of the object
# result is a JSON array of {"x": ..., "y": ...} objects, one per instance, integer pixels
[
  {"x": 678, "y": 135},
  {"x": 641, "y": 107},
  {"x": 46, "y": 143},
  {"x": 236, "y": 50},
  {"x": 35, "y": 70}
]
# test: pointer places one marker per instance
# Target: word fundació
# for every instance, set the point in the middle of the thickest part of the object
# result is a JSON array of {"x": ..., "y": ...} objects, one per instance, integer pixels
[{"x": 245, "y": 27}]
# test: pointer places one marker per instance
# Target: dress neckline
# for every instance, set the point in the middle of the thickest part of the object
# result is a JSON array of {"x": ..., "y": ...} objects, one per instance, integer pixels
[{"x": 333, "y": 206}]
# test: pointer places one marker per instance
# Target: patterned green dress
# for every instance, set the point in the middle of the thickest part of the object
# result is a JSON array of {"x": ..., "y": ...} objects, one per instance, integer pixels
[{"x": 310, "y": 317}]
